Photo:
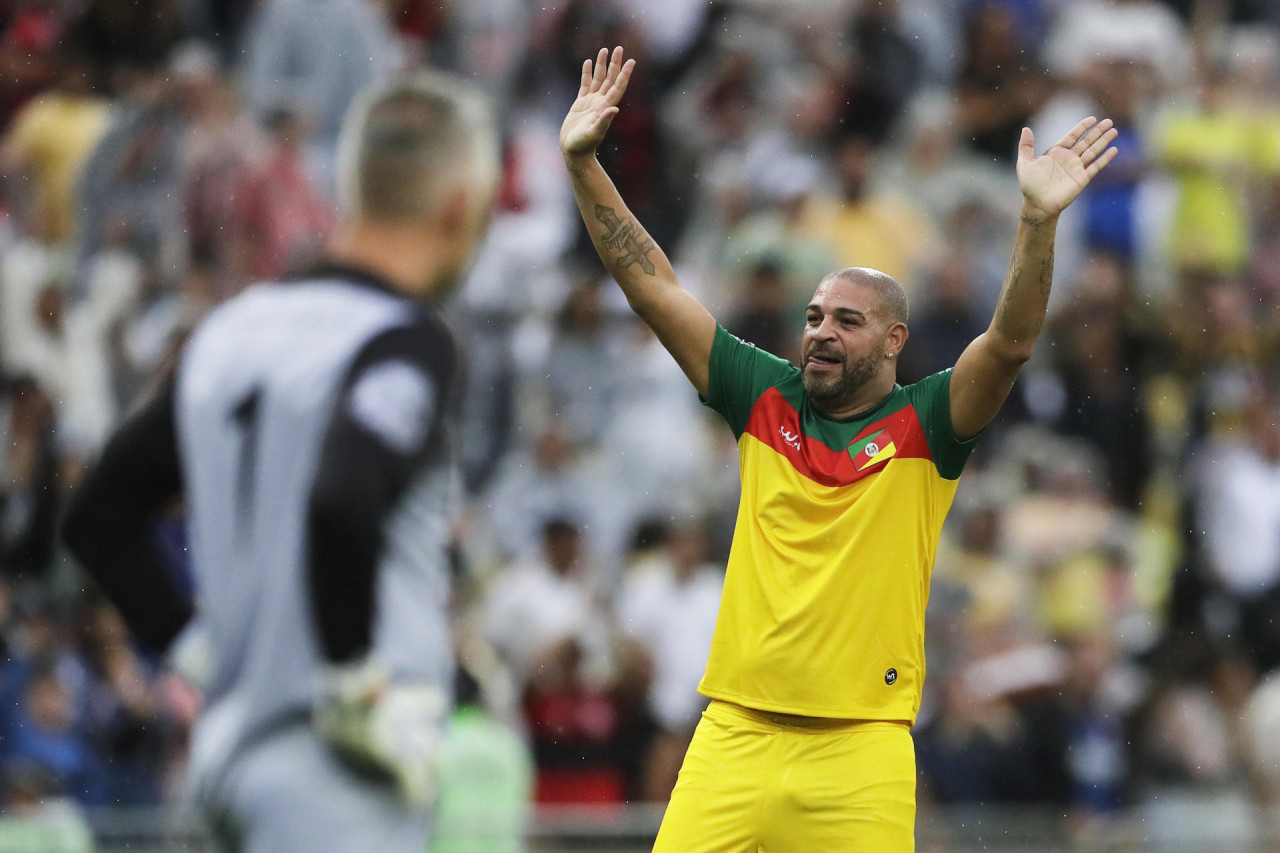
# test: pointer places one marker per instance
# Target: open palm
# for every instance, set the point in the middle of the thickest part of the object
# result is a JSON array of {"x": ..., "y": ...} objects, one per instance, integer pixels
[
  {"x": 597, "y": 103},
  {"x": 1052, "y": 181}
]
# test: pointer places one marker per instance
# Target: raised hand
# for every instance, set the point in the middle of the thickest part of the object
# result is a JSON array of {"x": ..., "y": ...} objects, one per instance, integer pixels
[
  {"x": 1052, "y": 181},
  {"x": 597, "y": 103}
]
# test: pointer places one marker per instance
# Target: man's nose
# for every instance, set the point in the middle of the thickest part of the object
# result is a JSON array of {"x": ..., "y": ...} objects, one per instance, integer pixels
[{"x": 825, "y": 330}]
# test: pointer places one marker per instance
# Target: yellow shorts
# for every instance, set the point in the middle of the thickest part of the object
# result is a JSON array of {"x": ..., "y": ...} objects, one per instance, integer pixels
[{"x": 757, "y": 781}]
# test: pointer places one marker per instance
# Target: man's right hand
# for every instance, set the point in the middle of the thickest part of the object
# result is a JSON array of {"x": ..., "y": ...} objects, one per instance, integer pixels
[
  {"x": 631, "y": 256},
  {"x": 603, "y": 84}
]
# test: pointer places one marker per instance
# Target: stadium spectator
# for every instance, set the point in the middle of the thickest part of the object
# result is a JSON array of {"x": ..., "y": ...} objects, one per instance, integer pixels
[
  {"x": 1238, "y": 501},
  {"x": 668, "y": 603},
  {"x": 125, "y": 714},
  {"x": 774, "y": 232},
  {"x": 46, "y": 735},
  {"x": 929, "y": 160},
  {"x": 29, "y": 52},
  {"x": 123, "y": 38},
  {"x": 310, "y": 58},
  {"x": 49, "y": 141},
  {"x": 1092, "y": 30},
  {"x": 763, "y": 316},
  {"x": 653, "y": 424},
  {"x": 486, "y": 779},
  {"x": 222, "y": 144},
  {"x": 554, "y": 478},
  {"x": 877, "y": 229},
  {"x": 575, "y": 726},
  {"x": 951, "y": 316},
  {"x": 1000, "y": 85},
  {"x": 127, "y": 186},
  {"x": 544, "y": 602},
  {"x": 1098, "y": 354},
  {"x": 883, "y": 71},
  {"x": 280, "y": 219},
  {"x": 1217, "y": 151},
  {"x": 583, "y": 367}
]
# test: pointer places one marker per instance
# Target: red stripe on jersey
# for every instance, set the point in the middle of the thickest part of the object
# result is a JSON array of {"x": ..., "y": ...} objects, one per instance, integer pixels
[{"x": 774, "y": 422}]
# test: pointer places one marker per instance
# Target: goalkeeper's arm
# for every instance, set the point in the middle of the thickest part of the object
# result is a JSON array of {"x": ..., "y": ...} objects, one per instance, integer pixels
[
  {"x": 381, "y": 437},
  {"x": 110, "y": 526}
]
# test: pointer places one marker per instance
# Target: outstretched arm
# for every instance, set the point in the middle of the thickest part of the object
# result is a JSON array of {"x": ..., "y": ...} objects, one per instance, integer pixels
[
  {"x": 641, "y": 269},
  {"x": 984, "y": 375}
]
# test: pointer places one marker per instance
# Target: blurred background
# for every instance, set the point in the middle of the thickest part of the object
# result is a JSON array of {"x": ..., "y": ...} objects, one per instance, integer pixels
[{"x": 1103, "y": 637}]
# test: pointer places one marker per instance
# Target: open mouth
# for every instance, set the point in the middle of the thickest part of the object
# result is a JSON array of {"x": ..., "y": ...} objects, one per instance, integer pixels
[{"x": 822, "y": 360}]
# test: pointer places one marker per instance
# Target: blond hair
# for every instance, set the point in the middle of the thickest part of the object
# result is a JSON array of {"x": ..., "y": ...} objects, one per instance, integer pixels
[{"x": 407, "y": 142}]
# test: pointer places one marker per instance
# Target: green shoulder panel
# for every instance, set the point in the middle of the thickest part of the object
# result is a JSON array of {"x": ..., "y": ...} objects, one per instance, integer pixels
[
  {"x": 739, "y": 373},
  {"x": 931, "y": 398}
]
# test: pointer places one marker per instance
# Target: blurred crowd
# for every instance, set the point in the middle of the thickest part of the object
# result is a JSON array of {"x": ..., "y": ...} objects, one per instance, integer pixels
[{"x": 1103, "y": 621}]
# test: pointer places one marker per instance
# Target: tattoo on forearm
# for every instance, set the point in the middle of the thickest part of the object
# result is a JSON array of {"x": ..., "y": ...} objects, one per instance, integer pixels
[
  {"x": 1012, "y": 326},
  {"x": 1002, "y": 306},
  {"x": 626, "y": 239}
]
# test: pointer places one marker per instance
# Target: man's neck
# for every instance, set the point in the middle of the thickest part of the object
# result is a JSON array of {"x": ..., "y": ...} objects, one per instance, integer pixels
[
  {"x": 405, "y": 259},
  {"x": 865, "y": 399}
]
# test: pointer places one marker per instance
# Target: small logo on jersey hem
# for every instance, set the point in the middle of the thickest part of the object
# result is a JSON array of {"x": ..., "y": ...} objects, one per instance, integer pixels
[{"x": 890, "y": 676}]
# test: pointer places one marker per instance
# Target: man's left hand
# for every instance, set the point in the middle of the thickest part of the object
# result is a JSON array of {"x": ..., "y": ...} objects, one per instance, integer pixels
[{"x": 1052, "y": 181}]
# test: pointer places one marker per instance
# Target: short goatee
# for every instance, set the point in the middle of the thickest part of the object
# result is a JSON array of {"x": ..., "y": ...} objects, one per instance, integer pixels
[{"x": 852, "y": 377}]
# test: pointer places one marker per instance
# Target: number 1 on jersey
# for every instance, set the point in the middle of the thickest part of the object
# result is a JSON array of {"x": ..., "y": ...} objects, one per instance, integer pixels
[{"x": 245, "y": 415}]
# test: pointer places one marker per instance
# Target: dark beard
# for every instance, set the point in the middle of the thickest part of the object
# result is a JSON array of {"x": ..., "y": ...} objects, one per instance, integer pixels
[{"x": 835, "y": 393}]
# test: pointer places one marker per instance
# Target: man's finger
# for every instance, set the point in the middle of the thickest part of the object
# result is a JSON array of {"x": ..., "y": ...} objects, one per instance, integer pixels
[
  {"x": 620, "y": 85},
  {"x": 1099, "y": 145},
  {"x": 615, "y": 65},
  {"x": 1086, "y": 141},
  {"x": 603, "y": 120},
  {"x": 585, "y": 84},
  {"x": 597, "y": 77},
  {"x": 1026, "y": 145},
  {"x": 1077, "y": 131},
  {"x": 1098, "y": 165}
]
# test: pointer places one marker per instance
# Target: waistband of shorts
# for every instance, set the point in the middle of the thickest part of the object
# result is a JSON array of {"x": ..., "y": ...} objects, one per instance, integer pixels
[{"x": 730, "y": 711}]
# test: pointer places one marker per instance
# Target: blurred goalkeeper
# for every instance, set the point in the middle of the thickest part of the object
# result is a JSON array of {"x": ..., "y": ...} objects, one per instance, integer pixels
[
  {"x": 817, "y": 662},
  {"x": 305, "y": 431}
]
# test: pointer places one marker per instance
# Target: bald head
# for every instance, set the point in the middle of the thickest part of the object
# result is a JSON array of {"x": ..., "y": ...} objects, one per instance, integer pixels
[
  {"x": 409, "y": 143},
  {"x": 890, "y": 296},
  {"x": 854, "y": 329}
]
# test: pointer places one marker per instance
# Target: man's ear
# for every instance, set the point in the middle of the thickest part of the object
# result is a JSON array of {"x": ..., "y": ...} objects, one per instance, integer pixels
[
  {"x": 455, "y": 213},
  {"x": 895, "y": 340}
]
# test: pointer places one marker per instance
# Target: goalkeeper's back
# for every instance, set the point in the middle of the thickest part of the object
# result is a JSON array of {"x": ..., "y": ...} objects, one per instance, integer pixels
[{"x": 256, "y": 396}]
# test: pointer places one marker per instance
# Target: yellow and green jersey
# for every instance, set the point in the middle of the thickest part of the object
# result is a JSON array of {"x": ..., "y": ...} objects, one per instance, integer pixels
[{"x": 824, "y": 599}]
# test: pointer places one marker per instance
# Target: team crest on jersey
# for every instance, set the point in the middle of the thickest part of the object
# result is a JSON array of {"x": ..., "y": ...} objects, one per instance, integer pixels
[{"x": 872, "y": 450}]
